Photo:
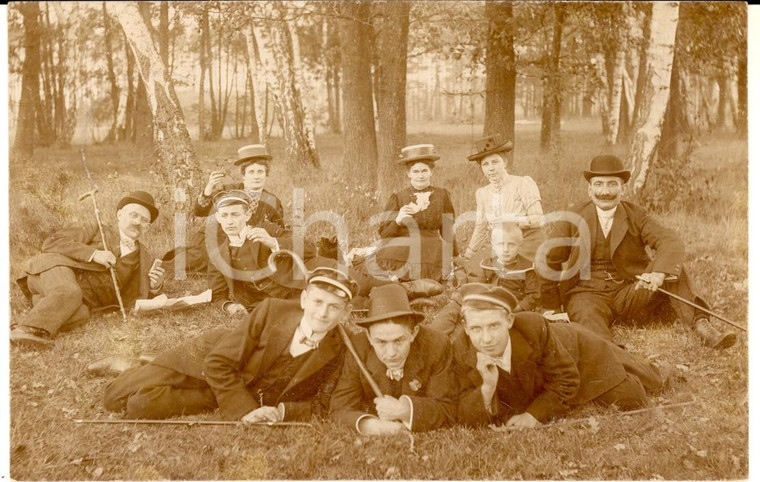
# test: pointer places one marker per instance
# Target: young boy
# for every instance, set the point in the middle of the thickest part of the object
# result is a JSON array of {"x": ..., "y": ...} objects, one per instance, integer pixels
[{"x": 410, "y": 364}]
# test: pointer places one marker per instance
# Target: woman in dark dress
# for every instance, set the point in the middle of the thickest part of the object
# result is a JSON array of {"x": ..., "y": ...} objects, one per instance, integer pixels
[
  {"x": 253, "y": 161},
  {"x": 417, "y": 237}
]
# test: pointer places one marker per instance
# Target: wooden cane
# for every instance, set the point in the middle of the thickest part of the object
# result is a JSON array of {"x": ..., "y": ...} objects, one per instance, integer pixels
[
  {"x": 190, "y": 423},
  {"x": 362, "y": 368},
  {"x": 694, "y": 305},
  {"x": 91, "y": 194}
]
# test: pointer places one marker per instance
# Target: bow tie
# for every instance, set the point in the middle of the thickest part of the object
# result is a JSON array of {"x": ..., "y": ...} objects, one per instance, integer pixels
[
  {"x": 305, "y": 340},
  {"x": 395, "y": 374}
]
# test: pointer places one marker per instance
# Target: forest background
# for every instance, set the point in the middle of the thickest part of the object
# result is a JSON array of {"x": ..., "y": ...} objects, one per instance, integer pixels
[{"x": 160, "y": 93}]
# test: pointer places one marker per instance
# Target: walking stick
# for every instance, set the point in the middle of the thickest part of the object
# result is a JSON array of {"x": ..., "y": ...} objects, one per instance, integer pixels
[
  {"x": 91, "y": 194},
  {"x": 694, "y": 305},
  {"x": 191, "y": 423},
  {"x": 362, "y": 368}
]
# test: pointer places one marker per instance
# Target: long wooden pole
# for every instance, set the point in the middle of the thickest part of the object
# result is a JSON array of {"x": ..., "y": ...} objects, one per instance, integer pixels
[{"x": 365, "y": 372}]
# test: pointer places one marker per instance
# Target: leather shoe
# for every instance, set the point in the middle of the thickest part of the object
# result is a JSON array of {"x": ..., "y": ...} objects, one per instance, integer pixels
[
  {"x": 30, "y": 338},
  {"x": 112, "y": 365},
  {"x": 422, "y": 288},
  {"x": 712, "y": 337}
]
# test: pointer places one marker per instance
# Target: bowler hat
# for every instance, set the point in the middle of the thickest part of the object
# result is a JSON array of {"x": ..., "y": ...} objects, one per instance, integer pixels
[
  {"x": 389, "y": 301},
  {"x": 327, "y": 274},
  {"x": 233, "y": 196},
  {"x": 418, "y": 153},
  {"x": 607, "y": 165},
  {"x": 252, "y": 152},
  {"x": 488, "y": 145},
  {"x": 496, "y": 295},
  {"x": 143, "y": 199}
]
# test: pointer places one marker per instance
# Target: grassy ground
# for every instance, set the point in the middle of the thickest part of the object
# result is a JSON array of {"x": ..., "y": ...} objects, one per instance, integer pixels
[{"x": 705, "y": 440}]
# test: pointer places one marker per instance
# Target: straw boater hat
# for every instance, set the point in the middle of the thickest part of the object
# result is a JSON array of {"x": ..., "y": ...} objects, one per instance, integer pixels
[
  {"x": 248, "y": 154},
  {"x": 488, "y": 145},
  {"x": 495, "y": 295},
  {"x": 418, "y": 153},
  {"x": 607, "y": 165},
  {"x": 143, "y": 199},
  {"x": 387, "y": 302}
]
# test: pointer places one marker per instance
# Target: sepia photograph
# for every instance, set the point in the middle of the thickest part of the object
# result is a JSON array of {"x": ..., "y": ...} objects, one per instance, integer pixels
[{"x": 377, "y": 239}]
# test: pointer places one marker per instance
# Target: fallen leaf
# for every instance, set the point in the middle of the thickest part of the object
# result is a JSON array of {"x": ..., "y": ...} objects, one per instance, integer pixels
[
  {"x": 593, "y": 424},
  {"x": 701, "y": 453},
  {"x": 568, "y": 473},
  {"x": 97, "y": 472},
  {"x": 619, "y": 447},
  {"x": 683, "y": 368},
  {"x": 370, "y": 460},
  {"x": 392, "y": 472},
  {"x": 77, "y": 461},
  {"x": 38, "y": 385},
  {"x": 32, "y": 404}
]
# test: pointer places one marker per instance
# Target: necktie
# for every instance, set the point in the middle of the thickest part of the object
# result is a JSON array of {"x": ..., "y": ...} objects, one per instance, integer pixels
[
  {"x": 496, "y": 361},
  {"x": 305, "y": 340},
  {"x": 395, "y": 374}
]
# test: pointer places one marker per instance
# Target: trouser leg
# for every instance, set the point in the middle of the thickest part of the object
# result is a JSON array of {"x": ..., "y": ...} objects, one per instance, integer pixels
[
  {"x": 637, "y": 366},
  {"x": 592, "y": 310},
  {"x": 684, "y": 287},
  {"x": 626, "y": 395},
  {"x": 56, "y": 297},
  {"x": 155, "y": 392},
  {"x": 447, "y": 319},
  {"x": 636, "y": 305}
]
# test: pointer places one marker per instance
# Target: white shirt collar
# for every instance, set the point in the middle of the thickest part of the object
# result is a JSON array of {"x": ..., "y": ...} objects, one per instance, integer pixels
[
  {"x": 505, "y": 361},
  {"x": 609, "y": 214}
]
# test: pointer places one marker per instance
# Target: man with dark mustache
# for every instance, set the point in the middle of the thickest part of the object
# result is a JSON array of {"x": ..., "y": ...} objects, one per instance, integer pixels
[{"x": 598, "y": 282}]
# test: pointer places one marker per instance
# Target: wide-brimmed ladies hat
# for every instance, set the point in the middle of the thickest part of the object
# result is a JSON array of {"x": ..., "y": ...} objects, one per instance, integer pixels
[
  {"x": 143, "y": 199},
  {"x": 418, "y": 153},
  {"x": 488, "y": 145},
  {"x": 252, "y": 152},
  {"x": 607, "y": 165},
  {"x": 387, "y": 302}
]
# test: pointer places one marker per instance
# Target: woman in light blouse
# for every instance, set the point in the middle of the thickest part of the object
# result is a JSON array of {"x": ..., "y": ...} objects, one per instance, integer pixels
[{"x": 504, "y": 198}]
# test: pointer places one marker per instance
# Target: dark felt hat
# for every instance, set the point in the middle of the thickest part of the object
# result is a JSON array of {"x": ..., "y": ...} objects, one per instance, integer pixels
[
  {"x": 488, "y": 145},
  {"x": 418, "y": 153},
  {"x": 143, "y": 199},
  {"x": 607, "y": 165},
  {"x": 496, "y": 295},
  {"x": 328, "y": 274},
  {"x": 389, "y": 301},
  {"x": 233, "y": 196},
  {"x": 251, "y": 153}
]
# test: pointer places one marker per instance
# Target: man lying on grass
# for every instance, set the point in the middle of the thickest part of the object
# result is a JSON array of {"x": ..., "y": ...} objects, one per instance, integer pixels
[
  {"x": 410, "y": 364},
  {"x": 71, "y": 277},
  {"x": 518, "y": 369},
  {"x": 238, "y": 273},
  {"x": 269, "y": 369}
]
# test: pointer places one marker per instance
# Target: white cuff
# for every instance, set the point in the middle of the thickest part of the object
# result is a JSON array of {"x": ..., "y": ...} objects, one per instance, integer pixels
[
  {"x": 366, "y": 415},
  {"x": 408, "y": 424},
  {"x": 281, "y": 409}
]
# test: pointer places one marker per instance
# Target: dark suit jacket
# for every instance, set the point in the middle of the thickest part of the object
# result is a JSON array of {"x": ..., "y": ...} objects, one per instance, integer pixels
[
  {"x": 632, "y": 231},
  {"x": 557, "y": 366},
  {"x": 242, "y": 355},
  {"x": 73, "y": 246},
  {"x": 268, "y": 214},
  {"x": 221, "y": 276},
  {"x": 428, "y": 381}
]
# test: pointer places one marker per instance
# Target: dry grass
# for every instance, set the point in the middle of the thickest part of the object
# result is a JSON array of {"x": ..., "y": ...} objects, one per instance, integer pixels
[{"x": 706, "y": 440}]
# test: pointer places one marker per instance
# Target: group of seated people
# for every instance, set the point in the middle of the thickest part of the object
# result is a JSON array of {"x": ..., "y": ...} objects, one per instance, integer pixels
[{"x": 488, "y": 356}]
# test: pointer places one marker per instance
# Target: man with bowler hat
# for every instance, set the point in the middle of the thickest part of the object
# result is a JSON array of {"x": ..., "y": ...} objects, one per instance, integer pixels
[
  {"x": 599, "y": 282},
  {"x": 71, "y": 276},
  {"x": 411, "y": 365}
]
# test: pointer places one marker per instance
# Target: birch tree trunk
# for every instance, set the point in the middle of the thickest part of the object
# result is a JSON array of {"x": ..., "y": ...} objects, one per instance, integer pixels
[
  {"x": 177, "y": 163},
  {"x": 392, "y": 29},
  {"x": 281, "y": 68},
  {"x": 654, "y": 98},
  {"x": 616, "y": 88},
  {"x": 602, "y": 92},
  {"x": 552, "y": 105},
  {"x": 111, "y": 73},
  {"x": 259, "y": 83},
  {"x": 676, "y": 129}
]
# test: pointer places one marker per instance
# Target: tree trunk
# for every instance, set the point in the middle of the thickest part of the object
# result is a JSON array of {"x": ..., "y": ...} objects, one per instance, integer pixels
[
  {"x": 115, "y": 91},
  {"x": 23, "y": 146},
  {"x": 258, "y": 84},
  {"x": 616, "y": 82},
  {"x": 626, "y": 110},
  {"x": 724, "y": 95},
  {"x": 741, "y": 97},
  {"x": 391, "y": 33},
  {"x": 500, "y": 72},
  {"x": 177, "y": 163},
  {"x": 359, "y": 142},
  {"x": 204, "y": 66},
  {"x": 163, "y": 33},
  {"x": 654, "y": 96},
  {"x": 278, "y": 58},
  {"x": 129, "y": 114},
  {"x": 641, "y": 79},
  {"x": 676, "y": 129},
  {"x": 550, "y": 116}
]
